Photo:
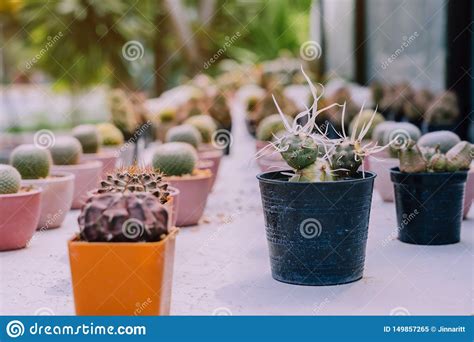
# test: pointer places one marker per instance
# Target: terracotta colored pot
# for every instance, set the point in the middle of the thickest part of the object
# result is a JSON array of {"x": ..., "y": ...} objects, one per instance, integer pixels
[
  {"x": 122, "y": 278},
  {"x": 19, "y": 215},
  {"x": 56, "y": 199},
  {"x": 88, "y": 176},
  {"x": 215, "y": 156},
  {"x": 108, "y": 159},
  {"x": 380, "y": 164},
  {"x": 174, "y": 204},
  {"x": 193, "y": 193},
  {"x": 469, "y": 194}
]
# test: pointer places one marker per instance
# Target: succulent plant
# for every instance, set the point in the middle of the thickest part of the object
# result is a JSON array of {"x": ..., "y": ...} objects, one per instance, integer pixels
[
  {"x": 167, "y": 114},
  {"x": 270, "y": 126},
  {"x": 66, "y": 151},
  {"x": 364, "y": 118},
  {"x": 123, "y": 113},
  {"x": 398, "y": 135},
  {"x": 205, "y": 124},
  {"x": 174, "y": 159},
  {"x": 379, "y": 131},
  {"x": 32, "y": 162},
  {"x": 444, "y": 110},
  {"x": 298, "y": 150},
  {"x": 219, "y": 110},
  {"x": 110, "y": 135},
  {"x": 345, "y": 159},
  {"x": 136, "y": 179},
  {"x": 88, "y": 136},
  {"x": 459, "y": 157},
  {"x": 123, "y": 217},
  {"x": 444, "y": 139},
  {"x": 184, "y": 133},
  {"x": 436, "y": 162},
  {"x": 10, "y": 180},
  {"x": 411, "y": 158}
]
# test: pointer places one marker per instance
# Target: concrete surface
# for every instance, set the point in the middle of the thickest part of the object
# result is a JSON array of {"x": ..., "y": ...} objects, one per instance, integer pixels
[{"x": 222, "y": 266}]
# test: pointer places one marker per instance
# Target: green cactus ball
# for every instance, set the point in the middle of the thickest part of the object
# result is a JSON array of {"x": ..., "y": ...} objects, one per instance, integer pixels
[
  {"x": 32, "y": 162},
  {"x": 184, "y": 133},
  {"x": 270, "y": 126},
  {"x": 444, "y": 139},
  {"x": 110, "y": 135},
  {"x": 175, "y": 158},
  {"x": 66, "y": 151},
  {"x": 205, "y": 124},
  {"x": 88, "y": 136},
  {"x": 10, "y": 180}
]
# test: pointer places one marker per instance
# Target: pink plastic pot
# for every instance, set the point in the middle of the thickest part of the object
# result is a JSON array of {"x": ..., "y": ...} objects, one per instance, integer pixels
[
  {"x": 381, "y": 164},
  {"x": 56, "y": 199},
  {"x": 469, "y": 194},
  {"x": 108, "y": 159},
  {"x": 215, "y": 156},
  {"x": 88, "y": 175},
  {"x": 174, "y": 193},
  {"x": 19, "y": 214},
  {"x": 193, "y": 193},
  {"x": 207, "y": 165}
]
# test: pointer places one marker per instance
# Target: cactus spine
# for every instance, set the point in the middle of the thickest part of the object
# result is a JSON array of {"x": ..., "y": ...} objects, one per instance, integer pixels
[
  {"x": 184, "y": 133},
  {"x": 10, "y": 180},
  {"x": 174, "y": 159},
  {"x": 31, "y": 162}
]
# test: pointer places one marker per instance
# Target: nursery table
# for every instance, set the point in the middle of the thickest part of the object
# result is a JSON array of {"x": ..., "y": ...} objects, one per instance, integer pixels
[{"x": 222, "y": 265}]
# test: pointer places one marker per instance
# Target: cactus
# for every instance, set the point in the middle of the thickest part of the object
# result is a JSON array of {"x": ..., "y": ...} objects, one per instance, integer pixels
[
  {"x": 205, "y": 124},
  {"x": 269, "y": 126},
  {"x": 219, "y": 110},
  {"x": 364, "y": 119},
  {"x": 174, "y": 159},
  {"x": 378, "y": 133},
  {"x": 298, "y": 150},
  {"x": 411, "y": 159},
  {"x": 345, "y": 159},
  {"x": 167, "y": 114},
  {"x": 444, "y": 110},
  {"x": 123, "y": 217},
  {"x": 437, "y": 161},
  {"x": 31, "y": 162},
  {"x": 459, "y": 157},
  {"x": 184, "y": 133},
  {"x": 444, "y": 139},
  {"x": 10, "y": 180},
  {"x": 88, "y": 136},
  {"x": 123, "y": 113},
  {"x": 66, "y": 151},
  {"x": 110, "y": 135},
  {"x": 398, "y": 136},
  {"x": 252, "y": 103}
]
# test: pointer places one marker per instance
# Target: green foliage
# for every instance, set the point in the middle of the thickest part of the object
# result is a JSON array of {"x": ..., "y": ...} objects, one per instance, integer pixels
[
  {"x": 32, "y": 162},
  {"x": 10, "y": 180}
]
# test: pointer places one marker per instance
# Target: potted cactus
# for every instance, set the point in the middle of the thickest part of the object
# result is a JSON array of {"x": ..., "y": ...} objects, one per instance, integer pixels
[
  {"x": 442, "y": 113},
  {"x": 66, "y": 154},
  {"x": 430, "y": 182},
  {"x": 34, "y": 165},
  {"x": 90, "y": 139},
  {"x": 317, "y": 214},
  {"x": 123, "y": 255},
  {"x": 177, "y": 161},
  {"x": 19, "y": 210}
]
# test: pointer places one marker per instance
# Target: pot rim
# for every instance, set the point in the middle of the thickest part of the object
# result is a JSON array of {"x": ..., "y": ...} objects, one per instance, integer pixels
[
  {"x": 83, "y": 165},
  {"x": 100, "y": 154},
  {"x": 32, "y": 192},
  {"x": 188, "y": 179},
  {"x": 396, "y": 171},
  {"x": 171, "y": 235},
  {"x": 368, "y": 175},
  {"x": 61, "y": 176}
]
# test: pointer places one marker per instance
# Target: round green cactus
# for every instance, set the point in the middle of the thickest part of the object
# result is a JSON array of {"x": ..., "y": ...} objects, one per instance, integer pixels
[
  {"x": 270, "y": 126},
  {"x": 10, "y": 180},
  {"x": 88, "y": 136},
  {"x": 184, "y": 133},
  {"x": 110, "y": 135},
  {"x": 175, "y": 159},
  {"x": 364, "y": 119},
  {"x": 205, "y": 124},
  {"x": 299, "y": 150},
  {"x": 32, "y": 162},
  {"x": 437, "y": 162},
  {"x": 345, "y": 160},
  {"x": 66, "y": 151},
  {"x": 444, "y": 139}
]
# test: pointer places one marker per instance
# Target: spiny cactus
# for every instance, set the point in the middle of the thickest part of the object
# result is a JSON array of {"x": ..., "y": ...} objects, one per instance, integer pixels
[
  {"x": 110, "y": 135},
  {"x": 174, "y": 159},
  {"x": 205, "y": 124},
  {"x": 270, "y": 126},
  {"x": 88, "y": 136},
  {"x": 444, "y": 139},
  {"x": 444, "y": 110},
  {"x": 123, "y": 217},
  {"x": 136, "y": 179},
  {"x": 364, "y": 118},
  {"x": 459, "y": 157},
  {"x": 346, "y": 159},
  {"x": 10, "y": 180},
  {"x": 66, "y": 151},
  {"x": 184, "y": 133},
  {"x": 32, "y": 162},
  {"x": 411, "y": 158}
]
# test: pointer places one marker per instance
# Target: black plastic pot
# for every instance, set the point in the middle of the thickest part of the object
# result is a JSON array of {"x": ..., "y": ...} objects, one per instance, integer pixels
[
  {"x": 316, "y": 232},
  {"x": 429, "y": 206}
]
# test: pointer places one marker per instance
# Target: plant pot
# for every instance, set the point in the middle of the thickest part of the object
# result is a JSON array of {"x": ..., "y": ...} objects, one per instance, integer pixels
[
  {"x": 316, "y": 232},
  {"x": 56, "y": 199},
  {"x": 19, "y": 214},
  {"x": 193, "y": 193},
  {"x": 429, "y": 206},
  {"x": 122, "y": 278},
  {"x": 380, "y": 164},
  {"x": 174, "y": 194},
  {"x": 215, "y": 156},
  {"x": 108, "y": 159},
  {"x": 88, "y": 175},
  {"x": 469, "y": 193},
  {"x": 207, "y": 165},
  {"x": 123, "y": 152}
]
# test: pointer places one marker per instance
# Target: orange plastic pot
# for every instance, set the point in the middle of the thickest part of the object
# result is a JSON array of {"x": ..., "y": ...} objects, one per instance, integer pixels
[{"x": 124, "y": 278}]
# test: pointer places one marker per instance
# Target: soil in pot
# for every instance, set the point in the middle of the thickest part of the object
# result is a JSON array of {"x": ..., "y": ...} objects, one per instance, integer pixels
[
  {"x": 316, "y": 232},
  {"x": 19, "y": 214},
  {"x": 429, "y": 206}
]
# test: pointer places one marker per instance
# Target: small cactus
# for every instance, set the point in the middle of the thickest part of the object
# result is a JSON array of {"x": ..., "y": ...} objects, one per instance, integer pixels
[
  {"x": 184, "y": 133},
  {"x": 398, "y": 135},
  {"x": 66, "y": 151},
  {"x": 378, "y": 133},
  {"x": 411, "y": 159},
  {"x": 437, "y": 162},
  {"x": 459, "y": 157},
  {"x": 32, "y": 162},
  {"x": 10, "y": 180},
  {"x": 364, "y": 119},
  {"x": 110, "y": 135},
  {"x": 174, "y": 159},
  {"x": 298, "y": 150},
  {"x": 445, "y": 140},
  {"x": 346, "y": 160},
  {"x": 269, "y": 126},
  {"x": 205, "y": 124},
  {"x": 167, "y": 114},
  {"x": 444, "y": 110},
  {"x": 88, "y": 136}
]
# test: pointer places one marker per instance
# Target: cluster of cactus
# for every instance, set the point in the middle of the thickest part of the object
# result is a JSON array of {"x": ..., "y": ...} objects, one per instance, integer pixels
[
  {"x": 174, "y": 159},
  {"x": 436, "y": 152},
  {"x": 396, "y": 135},
  {"x": 123, "y": 217},
  {"x": 204, "y": 124},
  {"x": 10, "y": 180},
  {"x": 89, "y": 137},
  {"x": 136, "y": 179},
  {"x": 269, "y": 127},
  {"x": 110, "y": 135},
  {"x": 32, "y": 162},
  {"x": 444, "y": 110},
  {"x": 184, "y": 133},
  {"x": 66, "y": 151}
]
